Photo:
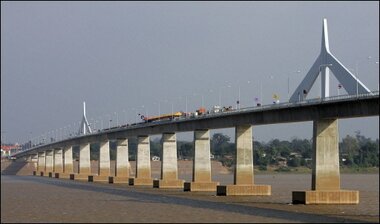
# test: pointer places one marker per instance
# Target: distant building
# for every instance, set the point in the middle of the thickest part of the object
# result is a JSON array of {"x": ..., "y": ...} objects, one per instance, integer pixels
[
  {"x": 7, "y": 150},
  {"x": 281, "y": 161}
]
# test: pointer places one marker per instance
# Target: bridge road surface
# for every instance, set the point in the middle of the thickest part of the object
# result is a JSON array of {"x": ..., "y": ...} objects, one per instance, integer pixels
[{"x": 31, "y": 199}]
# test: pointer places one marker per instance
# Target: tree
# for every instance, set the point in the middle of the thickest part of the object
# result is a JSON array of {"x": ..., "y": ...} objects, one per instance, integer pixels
[
  {"x": 221, "y": 146},
  {"x": 185, "y": 150}
]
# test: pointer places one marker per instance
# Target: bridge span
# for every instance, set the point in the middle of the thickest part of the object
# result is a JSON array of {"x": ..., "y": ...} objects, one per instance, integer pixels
[{"x": 56, "y": 159}]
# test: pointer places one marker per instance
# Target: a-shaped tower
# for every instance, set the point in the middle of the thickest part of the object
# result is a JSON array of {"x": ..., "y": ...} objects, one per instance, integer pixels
[
  {"x": 327, "y": 61},
  {"x": 84, "y": 126}
]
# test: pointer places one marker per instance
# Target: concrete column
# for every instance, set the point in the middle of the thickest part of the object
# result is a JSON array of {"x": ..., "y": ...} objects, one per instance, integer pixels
[
  {"x": 243, "y": 176},
  {"x": 58, "y": 161},
  {"x": 104, "y": 163},
  {"x": 65, "y": 157},
  {"x": 84, "y": 163},
  {"x": 34, "y": 161},
  {"x": 244, "y": 155},
  {"x": 202, "y": 161},
  {"x": 325, "y": 184},
  {"x": 68, "y": 160},
  {"x": 169, "y": 167},
  {"x": 201, "y": 164},
  {"x": 122, "y": 162},
  {"x": 104, "y": 159},
  {"x": 84, "y": 159},
  {"x": 325, "y": 172},
  {"x": 143, "y": 168},
  {"x": 49, "y": 163},
  {"x": 41, "y": 163}
]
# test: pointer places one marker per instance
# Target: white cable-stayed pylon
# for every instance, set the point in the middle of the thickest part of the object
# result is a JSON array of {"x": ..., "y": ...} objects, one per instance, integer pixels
[
  {"x": 327, "y": 61},
  {"x": 84, "y": 125}
]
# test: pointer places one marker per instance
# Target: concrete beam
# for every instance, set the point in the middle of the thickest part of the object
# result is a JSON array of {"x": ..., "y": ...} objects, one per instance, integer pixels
[{"x": 300, "y": 112}]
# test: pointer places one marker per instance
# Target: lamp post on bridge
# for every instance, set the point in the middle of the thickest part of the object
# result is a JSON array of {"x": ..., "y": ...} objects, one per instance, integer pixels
[
  {"x": 117, "y": 118},
  {"x": 220, "y": 92},
  {"x": 377, "y": 63},
  {"x": 298, "y": 71},
  {"x": 135, "y": 113},
  {"x": 357, "y": 74}
]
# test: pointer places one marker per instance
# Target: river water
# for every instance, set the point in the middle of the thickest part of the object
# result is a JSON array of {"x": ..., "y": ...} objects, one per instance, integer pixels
[{"x": 42, "y": 199}]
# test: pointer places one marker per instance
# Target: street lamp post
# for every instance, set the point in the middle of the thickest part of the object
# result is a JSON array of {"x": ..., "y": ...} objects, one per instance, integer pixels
[
  {"x": 238, "y": 102},
  {"x": 135, "y": 113},
  {"x": 109, "y": 120},
  {"x": 117, "y": 118},
  {"x": 261, "y": 92},
  {"x": 101, "y": 121},
  {"x": 357, "y": 74},
  {"x": 377, "y": 63},
  {"x": 125, "y": 116},
  {"x": 186, "y": 105}
]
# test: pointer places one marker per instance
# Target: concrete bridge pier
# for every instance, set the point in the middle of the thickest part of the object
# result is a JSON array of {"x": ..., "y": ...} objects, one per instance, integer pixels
[
  {"x": 34, "y": 160},
  {"x": 169, "y": 166},
  {"x": 104, "y": 163},
  {"x": 243, "y": 176},
  {"x": 41, "y": 163},
  {"x": 58, "y": 162},
  {"x": 67, "y": 166},
  {"x": 84, "y": 163},
  {"x": 143, "y": 167},
  {"x": 49, "y": 163},
  {"x": 325, "y": 186},
  {"x": 201, "y": 164},
  {"x": 122, "y": 163}
]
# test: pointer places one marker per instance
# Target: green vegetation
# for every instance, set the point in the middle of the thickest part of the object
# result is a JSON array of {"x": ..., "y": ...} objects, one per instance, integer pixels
[{"x": 357, "y": 153}]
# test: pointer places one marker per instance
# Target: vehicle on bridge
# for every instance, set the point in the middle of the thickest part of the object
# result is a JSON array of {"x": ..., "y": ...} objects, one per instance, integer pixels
[{"x": 170, "y": 116}]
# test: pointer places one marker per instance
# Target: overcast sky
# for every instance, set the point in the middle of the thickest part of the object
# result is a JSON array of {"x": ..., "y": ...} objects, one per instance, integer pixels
[{"x": 125, "y": 58}]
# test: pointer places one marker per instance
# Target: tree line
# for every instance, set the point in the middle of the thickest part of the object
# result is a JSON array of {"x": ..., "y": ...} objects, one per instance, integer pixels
[{"x": 354, "y": 151}]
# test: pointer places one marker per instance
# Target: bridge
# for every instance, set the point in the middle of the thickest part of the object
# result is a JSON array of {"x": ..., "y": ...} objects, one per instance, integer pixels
[{"x": 56, "y": 159}]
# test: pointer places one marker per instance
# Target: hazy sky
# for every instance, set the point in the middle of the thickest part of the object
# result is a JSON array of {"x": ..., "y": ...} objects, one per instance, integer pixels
[{"x": 125, "y": 58}]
